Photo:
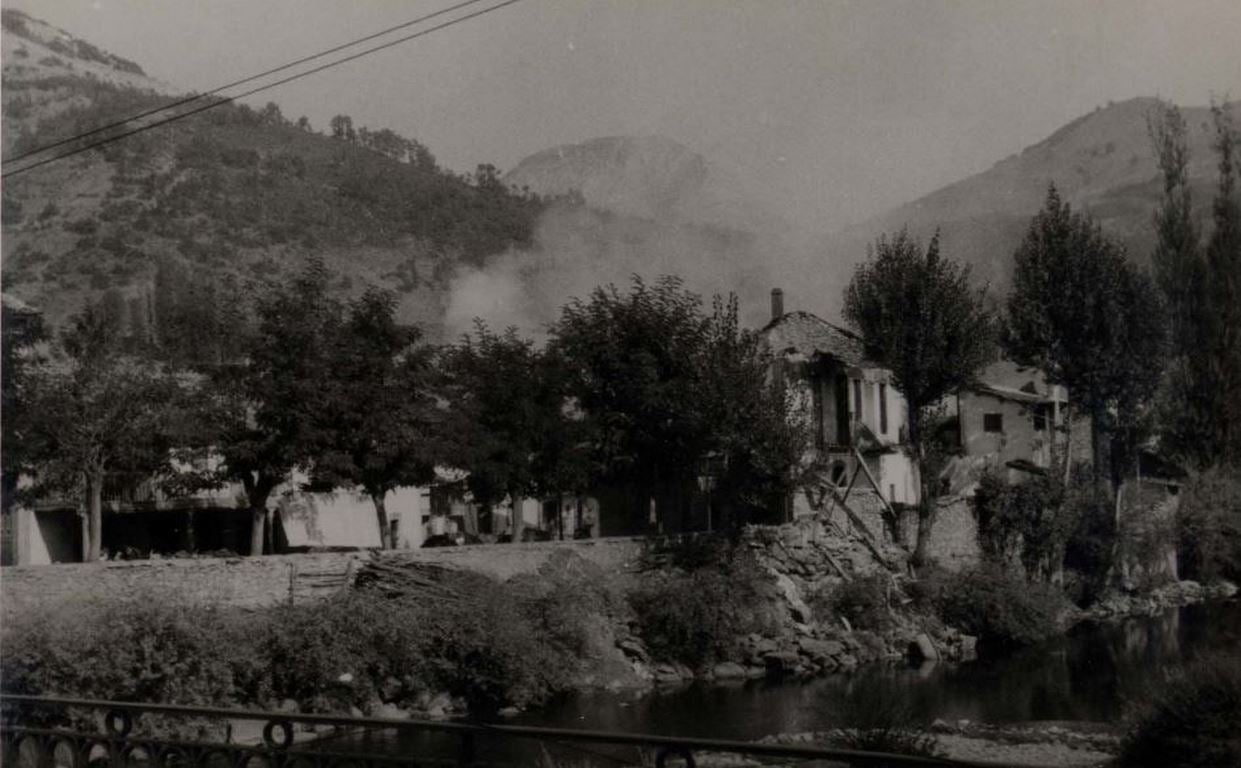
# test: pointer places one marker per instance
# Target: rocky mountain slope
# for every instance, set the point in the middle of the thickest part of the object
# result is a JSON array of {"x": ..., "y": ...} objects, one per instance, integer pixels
[{"x": 1101, "y": 162}]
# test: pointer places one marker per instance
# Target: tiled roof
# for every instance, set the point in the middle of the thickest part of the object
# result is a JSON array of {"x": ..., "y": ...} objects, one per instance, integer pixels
[
  {"x": 1011, "y": 381},
  {"x": 807, "y": 334}
]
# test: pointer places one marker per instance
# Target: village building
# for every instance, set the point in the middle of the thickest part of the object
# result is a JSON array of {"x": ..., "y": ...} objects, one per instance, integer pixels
[
  {"x": 857, "y": 419},
  {"x": 1010, "y": 421}
]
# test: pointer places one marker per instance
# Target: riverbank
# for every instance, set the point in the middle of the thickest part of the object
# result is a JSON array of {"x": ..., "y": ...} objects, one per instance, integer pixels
[{"x": 1061, "y": 743}]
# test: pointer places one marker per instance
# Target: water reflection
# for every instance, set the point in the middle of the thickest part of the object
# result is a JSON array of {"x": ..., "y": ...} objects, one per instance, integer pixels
[{"x": 1092, "y": 674}]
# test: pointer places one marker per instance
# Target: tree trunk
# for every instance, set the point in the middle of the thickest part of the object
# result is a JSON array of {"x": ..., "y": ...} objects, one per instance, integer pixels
[
  {"x": 258, "y": 516},
  {"x": 1068, "y": 444},
  {"x": 926, "y": 487},
  {"x": 517, "y": 521},
  {"x": 381, "y": 519},
  {"x": 94, "y": 518}
]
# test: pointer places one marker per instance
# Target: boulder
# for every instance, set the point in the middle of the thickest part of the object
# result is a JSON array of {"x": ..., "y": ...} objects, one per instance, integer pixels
[
  {"x": 797, "y": 606},
  {"x": 923, "y": 649},
  {"x": 388, "y": 711},
  {"x": 728, "y": 670}
]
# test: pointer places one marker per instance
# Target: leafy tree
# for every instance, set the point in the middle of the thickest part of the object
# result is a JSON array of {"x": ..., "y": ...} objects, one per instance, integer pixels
[
  {"x": 757, "y": 437},
  {"x": 97, "y": 413},
  {"x": 342, "y": 128},
  {"x": 1091, "y": 321},
  {"x": 1221, "y": 331},
  {"x": 661, "y": 386},
  {"x": 507, "y": 424},
  {"x": 920, "y": 318},
  {"x": 376, "y": 431},
  {"x": 21, "y": 331},
  {"x": 1200, "y": 413},
  {"x": 264, "y": 412}
]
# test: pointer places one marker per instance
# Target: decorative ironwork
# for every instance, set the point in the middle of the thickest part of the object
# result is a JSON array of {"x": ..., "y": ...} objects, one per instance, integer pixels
[{"x": 40, "y": 732}]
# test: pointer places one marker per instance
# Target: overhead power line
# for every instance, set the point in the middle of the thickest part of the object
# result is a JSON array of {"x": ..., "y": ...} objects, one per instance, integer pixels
[
  {"x": 235, "y": 83},
  {"x": 229, "y": 99}
]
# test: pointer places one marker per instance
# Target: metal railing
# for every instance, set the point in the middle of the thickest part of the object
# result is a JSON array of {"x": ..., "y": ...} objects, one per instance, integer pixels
[{"x": 39, "y": 732}]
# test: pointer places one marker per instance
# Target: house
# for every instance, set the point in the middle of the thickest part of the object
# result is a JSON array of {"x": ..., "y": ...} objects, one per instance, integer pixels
[
  {"x": 857, "y": 417},
  {"x": 1010, "y": 420}
]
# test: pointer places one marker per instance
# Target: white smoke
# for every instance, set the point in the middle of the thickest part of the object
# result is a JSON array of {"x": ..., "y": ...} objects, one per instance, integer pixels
[{"x": 577, "y": 249}]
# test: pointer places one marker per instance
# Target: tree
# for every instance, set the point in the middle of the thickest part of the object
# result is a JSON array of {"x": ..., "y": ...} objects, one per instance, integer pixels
[
  {"x": 920, "y": 318},
  {"x": 1221, "y": 329},
  {"x": 342, "y": 128},
  {"x": 21, "y": 331},
  {"x": 662, "y": 386},
  {"x": 507, "y": 425},
  {"x": 1088, "y": 319},
  {"x": 264, "y": 411},
  {"x": 376, "y": 422},
  {"x": 97, "y": 413}
]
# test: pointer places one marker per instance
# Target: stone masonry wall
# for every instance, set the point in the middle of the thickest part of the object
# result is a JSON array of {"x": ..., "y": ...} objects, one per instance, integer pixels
[{"x": 263, "y": 581}]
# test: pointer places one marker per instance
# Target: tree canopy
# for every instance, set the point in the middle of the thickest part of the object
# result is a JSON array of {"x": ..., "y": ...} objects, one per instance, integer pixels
[
  {"x": 920, "y": 318},
  {"x": 1081, "y": 313}
]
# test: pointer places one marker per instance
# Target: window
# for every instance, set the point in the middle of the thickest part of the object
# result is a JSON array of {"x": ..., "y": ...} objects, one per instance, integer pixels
[
  {"x": 883, "y": 409},
  {"x": 839, "y": 474},
  {"x": 993, "y": 422},
  {"x": 1040, "y": 418}
]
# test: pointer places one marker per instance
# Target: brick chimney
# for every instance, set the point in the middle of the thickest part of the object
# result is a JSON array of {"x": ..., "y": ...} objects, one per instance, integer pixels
[{"x": 777, "y": 303}]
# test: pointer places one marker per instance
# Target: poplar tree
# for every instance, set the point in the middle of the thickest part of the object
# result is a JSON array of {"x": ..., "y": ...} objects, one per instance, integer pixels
[
  {"x": 1079, "y": 312},
  {"x": 920, "y": 318}
]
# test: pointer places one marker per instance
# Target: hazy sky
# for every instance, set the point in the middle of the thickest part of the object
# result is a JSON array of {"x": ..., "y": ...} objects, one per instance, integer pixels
[{"x": 832, "y": 110}]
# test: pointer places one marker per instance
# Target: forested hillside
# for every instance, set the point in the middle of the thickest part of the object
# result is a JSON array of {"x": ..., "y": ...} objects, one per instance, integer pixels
[{"x": 201, "y": 209}]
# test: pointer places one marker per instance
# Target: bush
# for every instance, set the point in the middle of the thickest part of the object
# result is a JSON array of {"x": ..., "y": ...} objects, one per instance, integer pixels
[
  {"x": 863, "y": 602},
  {"x": 1209, "y": 526},
  {"x": 1089, "y": 550},
  {"x": 146, "y": 648},
  {"x": 1192, "y": 722},
  {"x": 993, "y": 605},
  {"x": 328, "y": 656},
  {"x": 696, "y": 617}
]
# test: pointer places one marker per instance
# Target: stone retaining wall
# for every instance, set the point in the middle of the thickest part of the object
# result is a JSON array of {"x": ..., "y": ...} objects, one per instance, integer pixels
[{"x": 255, "y": 582}]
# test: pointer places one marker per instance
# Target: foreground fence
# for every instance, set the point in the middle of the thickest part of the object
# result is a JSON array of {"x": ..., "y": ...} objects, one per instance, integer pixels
[{"x": 77, "y": 733}]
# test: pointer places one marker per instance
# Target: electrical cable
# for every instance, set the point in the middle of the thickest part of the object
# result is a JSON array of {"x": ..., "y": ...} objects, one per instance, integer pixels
[{"x": 252, "y": 91}]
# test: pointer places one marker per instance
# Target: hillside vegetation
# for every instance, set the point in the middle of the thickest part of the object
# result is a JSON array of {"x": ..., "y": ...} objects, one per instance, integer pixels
[{"x": 233, "y": 195}]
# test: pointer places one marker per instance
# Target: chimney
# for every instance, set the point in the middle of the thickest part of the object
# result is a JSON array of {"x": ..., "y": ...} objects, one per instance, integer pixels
[{"x": 777, "y": 303}]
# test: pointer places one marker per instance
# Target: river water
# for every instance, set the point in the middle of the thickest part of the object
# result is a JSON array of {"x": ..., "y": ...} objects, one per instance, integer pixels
[{"x": 1093, "y": 674}]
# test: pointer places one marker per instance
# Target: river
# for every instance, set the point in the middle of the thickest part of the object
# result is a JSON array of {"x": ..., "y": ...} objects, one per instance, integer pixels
[{"x": 1092, "y": 674}]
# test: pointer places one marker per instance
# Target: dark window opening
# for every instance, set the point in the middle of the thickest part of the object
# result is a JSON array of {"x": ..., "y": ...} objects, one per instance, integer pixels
[
  {"x": 839, "y": 474},
  {"x": 883, "y": 409},
  {"x": 993, "y": 422},
  {"x": 1040, "y": 419}
]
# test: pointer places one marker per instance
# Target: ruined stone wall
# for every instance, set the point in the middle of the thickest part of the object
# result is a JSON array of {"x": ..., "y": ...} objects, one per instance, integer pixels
[{"x": 263, "y": 581}]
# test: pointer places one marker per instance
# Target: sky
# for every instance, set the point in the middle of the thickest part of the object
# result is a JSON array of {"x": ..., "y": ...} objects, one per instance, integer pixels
[{"x": 830, "y": 112}]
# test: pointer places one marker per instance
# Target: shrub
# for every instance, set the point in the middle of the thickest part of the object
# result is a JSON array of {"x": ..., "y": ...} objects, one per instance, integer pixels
[
  {"x": 145, "y": 648},
  {"x": 696, "y": 617},
  {"x": 1192, "y": 721},
  {"x": 863, "y": 602},
  {"x": 997, "y": 607},
  {"x": 1209, "y": 526},
  {"x": 1089, "y": 550}
]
